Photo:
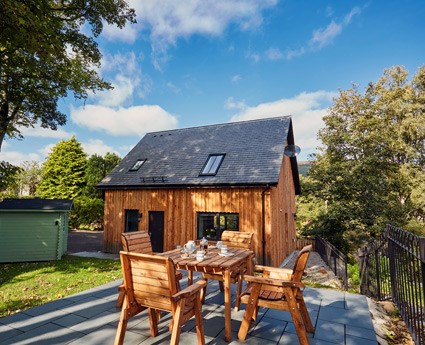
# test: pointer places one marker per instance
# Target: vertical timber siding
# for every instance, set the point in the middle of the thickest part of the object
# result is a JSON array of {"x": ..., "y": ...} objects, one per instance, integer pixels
[{"x": 181, "y": 205}]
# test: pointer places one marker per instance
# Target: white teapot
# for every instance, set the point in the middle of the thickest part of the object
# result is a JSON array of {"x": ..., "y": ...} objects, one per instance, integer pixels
[{"x": 190, "y": 247}]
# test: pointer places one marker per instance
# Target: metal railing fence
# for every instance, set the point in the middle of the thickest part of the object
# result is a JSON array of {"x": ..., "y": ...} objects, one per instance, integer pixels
[
  {"x": 335, "y": 259},
  {"x": 393, "y": 267}
]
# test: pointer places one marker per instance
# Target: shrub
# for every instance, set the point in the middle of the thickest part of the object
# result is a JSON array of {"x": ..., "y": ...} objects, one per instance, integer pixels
[{"x": 87, "y": 213}]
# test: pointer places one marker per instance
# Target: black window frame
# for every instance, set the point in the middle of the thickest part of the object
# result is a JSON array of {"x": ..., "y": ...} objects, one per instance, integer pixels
[
  {"x": 136, "y": 166},
  {"x": 210, "y": 163},
  {"x": 216, "y": 228},
  {"x": 131, "y": 220}
]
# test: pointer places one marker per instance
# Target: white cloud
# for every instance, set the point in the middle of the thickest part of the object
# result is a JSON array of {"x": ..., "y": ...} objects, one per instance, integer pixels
[
  {"x": 41, "y": 132},
  {"x": 236, "y": 78},
  {"x": 17, "y": 158},
  {"x": 323, "y": 37},
  {"x": 97, "y": 146},
  {"x": 320, "y": 38},
  {"x": 274, "y": 54},
  {"x": 231, "y": 103},
  {"x": 306, "y": 110},
  {"x": 166, "y": 21},
  {"x": 134, "y": 120},
  {"x": 124, "y": 72}
]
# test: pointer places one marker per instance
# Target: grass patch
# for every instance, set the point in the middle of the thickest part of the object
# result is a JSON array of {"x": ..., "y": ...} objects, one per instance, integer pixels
[{"x": 26, "y": 285}]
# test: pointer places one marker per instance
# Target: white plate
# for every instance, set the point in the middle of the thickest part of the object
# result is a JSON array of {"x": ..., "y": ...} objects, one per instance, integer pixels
[{"x": 228, "y": 254}]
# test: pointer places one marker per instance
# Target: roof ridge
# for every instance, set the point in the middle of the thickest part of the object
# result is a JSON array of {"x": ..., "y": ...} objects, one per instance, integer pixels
[{"x": 221, "y": 124}]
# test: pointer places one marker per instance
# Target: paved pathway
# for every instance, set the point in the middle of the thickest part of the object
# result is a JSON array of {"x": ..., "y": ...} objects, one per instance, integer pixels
[{"x": 90, "y": 318}]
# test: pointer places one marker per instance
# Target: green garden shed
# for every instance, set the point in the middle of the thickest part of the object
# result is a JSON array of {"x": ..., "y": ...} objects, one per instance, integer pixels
[{"x": 33, "y": 229}]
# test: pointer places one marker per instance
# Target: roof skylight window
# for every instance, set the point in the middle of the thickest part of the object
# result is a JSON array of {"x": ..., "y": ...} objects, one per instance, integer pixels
[
  {"x": 137, "y": 165},
  {"x": 212, "y": 165}
]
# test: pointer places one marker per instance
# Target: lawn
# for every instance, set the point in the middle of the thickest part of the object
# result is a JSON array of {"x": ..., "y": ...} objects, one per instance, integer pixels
[{"x": 26, "y": 285}]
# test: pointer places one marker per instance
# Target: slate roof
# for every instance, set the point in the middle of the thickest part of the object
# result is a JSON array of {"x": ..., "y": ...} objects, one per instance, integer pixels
[
  {"x": 36, "y": 204},
  {"x": 253, "y": 156}
]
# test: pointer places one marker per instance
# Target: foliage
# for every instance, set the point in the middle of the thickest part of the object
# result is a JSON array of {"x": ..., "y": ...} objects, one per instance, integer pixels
[
  {"x": 353, "y": 275},
  {"x": 44, "y": 54},
  {"x": 63, "y": 172},
  {"x": 87, "y": 213},
  {"x": 308, "y": 207},
  {"x": 26, "y": 285},
  {"x": 29, "y": 177},
  {"x": 373, "y": 159},
  {"x": 97, "y": 168},
  {"x": 8, "y": 173}
]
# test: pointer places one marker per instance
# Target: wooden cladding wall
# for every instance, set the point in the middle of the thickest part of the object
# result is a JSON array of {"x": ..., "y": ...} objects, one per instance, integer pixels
[
  {"x": 281, "y": 236},
  {"x": 181, "y": 205}
]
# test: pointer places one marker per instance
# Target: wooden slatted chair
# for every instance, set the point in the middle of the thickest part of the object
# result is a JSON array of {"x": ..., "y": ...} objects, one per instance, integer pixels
[
  {"x": 232, "y": 239},
  {"x": 150, "y": 283},
  {"x": 281, "y": 289},
  {"x": 137, "y": 242}
]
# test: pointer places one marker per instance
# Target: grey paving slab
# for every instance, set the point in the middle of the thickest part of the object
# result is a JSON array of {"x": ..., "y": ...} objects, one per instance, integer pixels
[
  {"x": 46, "y": 335},
  {"x": 90, "y": 318}
]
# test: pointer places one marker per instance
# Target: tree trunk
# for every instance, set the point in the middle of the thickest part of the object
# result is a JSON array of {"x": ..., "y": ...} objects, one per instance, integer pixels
[{"x": 4, "y": 112}]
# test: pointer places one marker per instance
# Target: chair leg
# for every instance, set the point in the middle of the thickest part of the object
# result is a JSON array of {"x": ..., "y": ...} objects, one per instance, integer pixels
[
  {"x": 177, "y": 320},
  {"x": 204, "y": 291},
  {"x": 249, "y": 311},
  {"x": 238, "y": 293},
  {"x": 220, "y": 283},
  {"x": 199, "y": 321},
  {"x": 121, "y": 296},
  {"x": 296, "y": 317},
  {"x": 305, "y": 316},
  {"x": 153, "y": 321},
  {"x": 122, "y": 325}
]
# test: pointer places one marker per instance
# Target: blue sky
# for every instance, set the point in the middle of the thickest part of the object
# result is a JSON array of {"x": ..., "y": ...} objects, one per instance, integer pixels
[{"x": 199, "y": 62}]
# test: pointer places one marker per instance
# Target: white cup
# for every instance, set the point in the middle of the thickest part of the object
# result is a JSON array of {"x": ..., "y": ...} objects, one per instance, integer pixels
[
  {"x": 219, "y": 244},
  {"x": 223, "y": 249},
  {"x": 200, "y": 255}
]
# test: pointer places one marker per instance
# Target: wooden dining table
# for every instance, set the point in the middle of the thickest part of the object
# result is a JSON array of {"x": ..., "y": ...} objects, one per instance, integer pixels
[{"x": 235, "y": 262}]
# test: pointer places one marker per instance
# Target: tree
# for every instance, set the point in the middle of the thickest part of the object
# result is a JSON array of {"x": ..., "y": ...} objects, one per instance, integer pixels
[
  {"x": 97, "y": 168},
  {"x": 63, "y": 172},
  {"x": 373, "y": 158},
  {"x": 29, "y": 177},
  {"x": 44, "y": 54},
  {"x": 8, "y": 173}
]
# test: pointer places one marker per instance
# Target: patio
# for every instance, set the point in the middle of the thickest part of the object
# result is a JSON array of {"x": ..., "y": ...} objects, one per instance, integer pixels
[{"x": 91, "y": 318}]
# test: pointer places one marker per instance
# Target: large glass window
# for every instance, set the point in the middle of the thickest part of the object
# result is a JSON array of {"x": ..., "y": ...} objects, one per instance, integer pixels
[
  {"x": 131, "y": 220},
  {"x": 211, "y": 225}
]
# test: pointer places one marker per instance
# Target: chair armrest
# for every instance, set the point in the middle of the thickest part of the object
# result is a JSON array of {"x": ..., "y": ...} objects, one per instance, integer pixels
[
  {"x": 273, "y": 282},
  {"x": 274, "y": 272},
  {"x": 190, "y": 290}
]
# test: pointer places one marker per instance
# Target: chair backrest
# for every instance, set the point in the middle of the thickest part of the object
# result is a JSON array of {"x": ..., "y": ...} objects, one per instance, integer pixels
[
  {"x": 149, "y": 280},
  {"x": 137, "y": 241},
  {"x": 237, "y": 239},
  {"x": 301, "y": 263}
]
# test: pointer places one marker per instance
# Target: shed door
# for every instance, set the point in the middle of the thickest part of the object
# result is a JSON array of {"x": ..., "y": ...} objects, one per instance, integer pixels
[{"x": 156, "y": 230}]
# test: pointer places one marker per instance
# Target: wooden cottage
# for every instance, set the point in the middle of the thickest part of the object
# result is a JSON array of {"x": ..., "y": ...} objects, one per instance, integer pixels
[
  {"x": 33, "y": 229},
  {"x": 188, "y": 183}
]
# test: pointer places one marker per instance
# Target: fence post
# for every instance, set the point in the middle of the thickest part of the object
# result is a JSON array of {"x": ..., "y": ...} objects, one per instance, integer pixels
[
  {"x": 422, "y": 256},
  {"x": 363, "y": 264}
]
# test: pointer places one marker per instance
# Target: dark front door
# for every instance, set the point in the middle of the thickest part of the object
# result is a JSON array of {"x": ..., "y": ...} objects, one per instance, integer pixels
[{"x": 156, "y": 230}]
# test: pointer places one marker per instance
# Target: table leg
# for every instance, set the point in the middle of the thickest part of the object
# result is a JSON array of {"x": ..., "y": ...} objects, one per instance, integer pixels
[
  {"x": 189, "y": 277},
  {"x": 227, "y": 307}
]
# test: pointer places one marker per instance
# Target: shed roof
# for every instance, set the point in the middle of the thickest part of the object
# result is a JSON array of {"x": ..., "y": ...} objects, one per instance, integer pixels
[
  {"x": 36, "y": 204},
  {"x": 253, "y": 153}
]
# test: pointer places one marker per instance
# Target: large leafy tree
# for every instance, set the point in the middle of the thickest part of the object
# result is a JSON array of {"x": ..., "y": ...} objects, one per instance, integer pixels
[
  {"x": 372, "y": 164},
  {"x": 63, "y": 172},
  {"x": 97, "y": 168},
  {"x": 44, "y": 54}
]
